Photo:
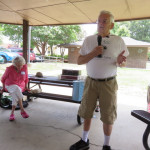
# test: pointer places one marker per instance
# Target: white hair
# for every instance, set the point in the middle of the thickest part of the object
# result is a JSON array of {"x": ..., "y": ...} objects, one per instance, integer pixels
[
  {"x": 109, "y": 13},
  {"x": 18, "y": 60}
]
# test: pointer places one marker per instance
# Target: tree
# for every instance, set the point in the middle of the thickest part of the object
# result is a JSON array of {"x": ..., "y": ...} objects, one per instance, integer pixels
[
  {"x": 121, "y": 29},
  {"x": 40, "y": 37},
  {"x": 140, "y": 30},
  {"x": 64, "y": 34},
  {"x": 1, "y": 41},
  {"x": 43, "y": 36},
  {"x": 54, "y": 35},
  {"x": 14, "y": 32}
]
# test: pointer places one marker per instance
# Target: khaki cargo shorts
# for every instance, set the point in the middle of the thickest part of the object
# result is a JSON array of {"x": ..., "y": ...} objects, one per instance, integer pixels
[{"x": 106, "y": 93}]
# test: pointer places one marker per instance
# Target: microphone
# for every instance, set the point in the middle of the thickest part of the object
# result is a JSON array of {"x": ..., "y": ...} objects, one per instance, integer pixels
[{"x": 99, "y": 40}]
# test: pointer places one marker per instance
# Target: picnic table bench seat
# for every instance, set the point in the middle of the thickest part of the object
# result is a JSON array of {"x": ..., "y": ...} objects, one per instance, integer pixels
[
  {"x": 53, "y": 84},
  {"x": 144, "y": 116},
  {"x": 52, "y": 96}
]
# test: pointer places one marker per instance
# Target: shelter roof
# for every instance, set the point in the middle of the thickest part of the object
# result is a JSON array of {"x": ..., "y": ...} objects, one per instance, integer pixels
[
  {"x": 59, "y": 12},
  {"x": 130, "y": 42}
]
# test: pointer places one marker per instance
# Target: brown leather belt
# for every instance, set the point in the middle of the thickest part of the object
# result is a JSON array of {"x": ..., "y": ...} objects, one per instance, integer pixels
[{"x": 102, "y": 80}]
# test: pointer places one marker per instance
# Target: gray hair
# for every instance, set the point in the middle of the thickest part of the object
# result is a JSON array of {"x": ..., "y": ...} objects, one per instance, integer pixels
[
  {"x": 109, "y": 13},
  {"x": 18, "y": 60}
]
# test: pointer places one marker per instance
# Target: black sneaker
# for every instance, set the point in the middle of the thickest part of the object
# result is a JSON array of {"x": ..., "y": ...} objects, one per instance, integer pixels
[
  {"x": 105, "y": 147},
  {"x": 80, "y": 145}
]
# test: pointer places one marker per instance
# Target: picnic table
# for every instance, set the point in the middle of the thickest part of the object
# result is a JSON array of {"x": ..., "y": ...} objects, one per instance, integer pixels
[
  {"x": 144, "y": 116},
  {"x": 77, "y": 85}
]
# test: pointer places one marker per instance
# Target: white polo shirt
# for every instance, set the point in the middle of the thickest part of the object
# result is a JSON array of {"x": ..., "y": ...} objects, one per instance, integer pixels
[{"x": 105, "y": 67}]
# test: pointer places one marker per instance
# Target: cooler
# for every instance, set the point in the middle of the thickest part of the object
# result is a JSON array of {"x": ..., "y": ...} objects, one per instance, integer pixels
[{"x": 78, "y": 87}]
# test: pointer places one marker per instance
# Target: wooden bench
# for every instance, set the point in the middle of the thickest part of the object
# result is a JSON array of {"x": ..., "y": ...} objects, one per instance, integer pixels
[
  {"x": 145, "y": 117},
  {"x": 52, "y": 96},
  {"x": 58, "y": 97}
]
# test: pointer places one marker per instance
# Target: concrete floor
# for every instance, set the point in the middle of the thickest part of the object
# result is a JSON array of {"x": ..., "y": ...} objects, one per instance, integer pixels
[{"x": 52, "y": 126}]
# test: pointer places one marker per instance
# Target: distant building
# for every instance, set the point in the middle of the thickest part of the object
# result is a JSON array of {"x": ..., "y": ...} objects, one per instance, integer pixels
[
  {"x": 137, "y": 49},
  {"x": 73, "y": 51},
  {"x": 138, "y": 53}
]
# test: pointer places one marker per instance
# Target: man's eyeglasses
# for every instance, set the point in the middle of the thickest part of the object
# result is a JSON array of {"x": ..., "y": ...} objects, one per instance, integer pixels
[{"x": 102, "y": 21}]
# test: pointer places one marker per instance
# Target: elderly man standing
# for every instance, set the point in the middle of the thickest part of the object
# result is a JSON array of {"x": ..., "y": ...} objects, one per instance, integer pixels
[{"x": 101, "y": 64}]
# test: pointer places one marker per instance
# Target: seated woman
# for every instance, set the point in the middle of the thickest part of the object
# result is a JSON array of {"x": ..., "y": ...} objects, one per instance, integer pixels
[{"x": 15, "y": 80}]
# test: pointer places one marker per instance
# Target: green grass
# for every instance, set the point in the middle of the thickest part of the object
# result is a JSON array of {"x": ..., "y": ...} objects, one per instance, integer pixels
[{"x": 132, "y": 82}]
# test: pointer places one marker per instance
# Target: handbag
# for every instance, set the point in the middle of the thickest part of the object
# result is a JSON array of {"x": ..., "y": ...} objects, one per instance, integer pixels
[{"x": 6, "y": 102}]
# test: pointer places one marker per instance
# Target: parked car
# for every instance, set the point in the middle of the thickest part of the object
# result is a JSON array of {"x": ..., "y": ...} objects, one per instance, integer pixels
[
  {"x": 20, "y": 52},
  {"x": 7, "y": 55},
  {"x": 39, "y": 58},
  {"x": 2, "y": 49},
  {"x": 1, "y": 60}
]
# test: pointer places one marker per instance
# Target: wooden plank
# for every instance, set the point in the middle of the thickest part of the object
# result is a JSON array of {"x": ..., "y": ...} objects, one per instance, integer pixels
[
  {"x": 58, "y": 97},
  {"x": 49, "y": 83},
  {"x": 141, "y": 115}
]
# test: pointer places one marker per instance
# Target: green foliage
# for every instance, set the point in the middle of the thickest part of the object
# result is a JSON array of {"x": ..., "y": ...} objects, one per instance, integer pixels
[
  {"x": 14, "y": 32},
  {"x": 54, "y": 55},
  {"x": 42, "y": 36},
  {"x": 66, "y": 57},
  {"x": 64, "y": 34},
  {"x": 140, "y": 30},
  {"x": 1, "y": 41},
  {"x": 1, "y": 35},
  {"x": 121, "y": 29},
  {"x": 54, "y": 35}
]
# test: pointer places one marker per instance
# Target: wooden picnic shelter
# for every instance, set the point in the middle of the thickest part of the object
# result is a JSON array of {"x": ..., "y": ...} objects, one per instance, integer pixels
[{"x": 67, "y": 12}]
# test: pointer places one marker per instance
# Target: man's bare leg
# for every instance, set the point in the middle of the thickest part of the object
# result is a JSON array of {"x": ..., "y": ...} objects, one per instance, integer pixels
[
  {"x": 107, "y": 128},
  {"x": 86, "y": 128}
]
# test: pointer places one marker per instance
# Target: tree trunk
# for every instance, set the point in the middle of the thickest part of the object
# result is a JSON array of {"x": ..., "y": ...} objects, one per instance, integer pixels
[
  {"x": 36, "y": 45},
  {"x": 51, "y": 49},
  {"x": 43, "y": 48},
  {"x": 62, "y": 51}
]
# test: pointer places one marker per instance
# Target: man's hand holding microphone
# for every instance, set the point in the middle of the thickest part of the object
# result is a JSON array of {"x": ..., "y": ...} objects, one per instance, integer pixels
[{"x": 99, "y": 49}]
